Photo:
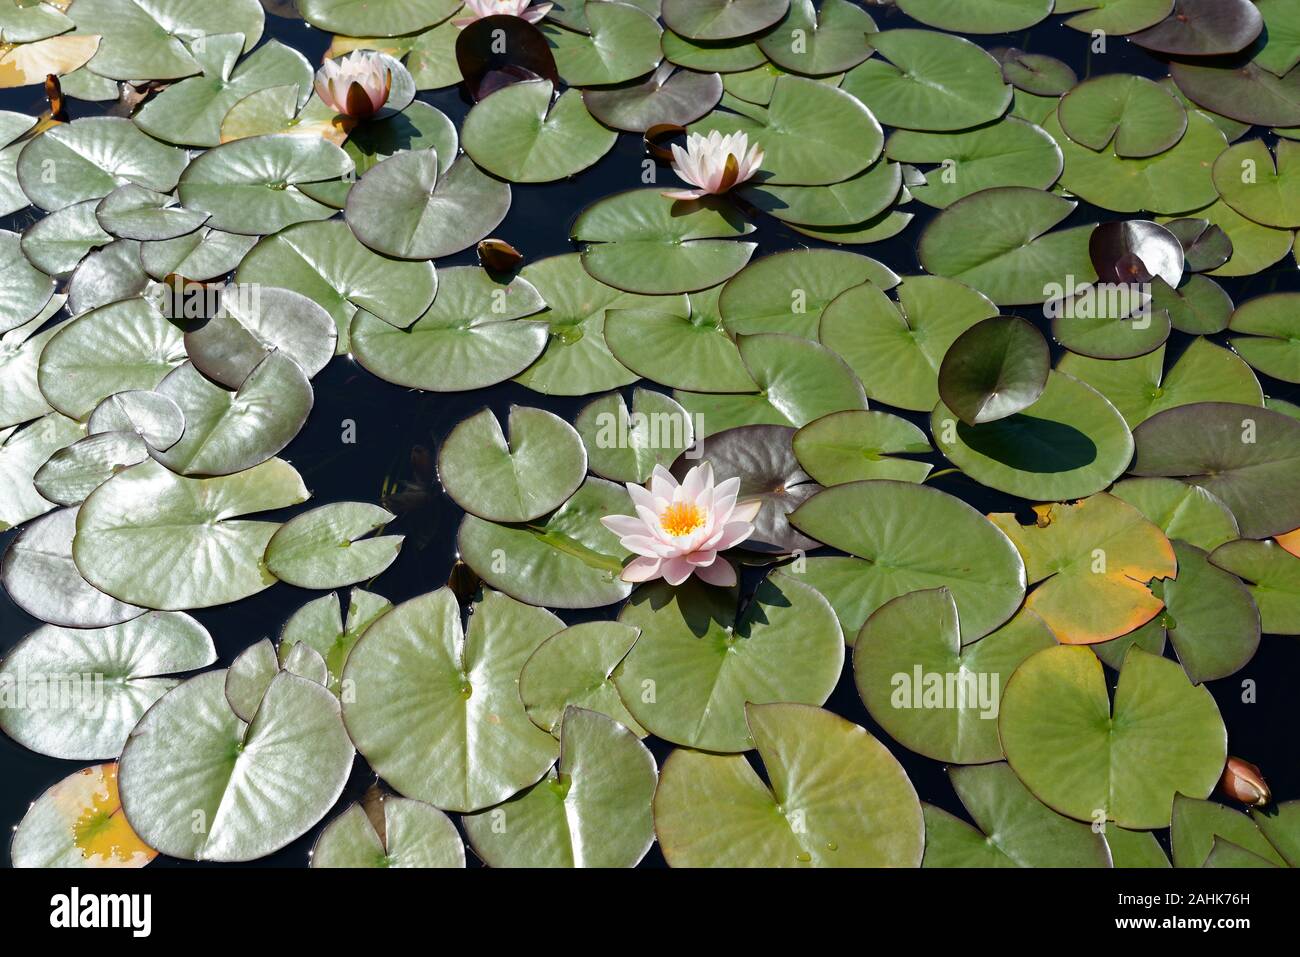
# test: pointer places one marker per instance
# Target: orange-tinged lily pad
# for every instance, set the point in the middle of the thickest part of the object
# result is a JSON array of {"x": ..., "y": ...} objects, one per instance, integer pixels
[
  {"x": 26, "y": 63},
  {"x": 1291, "y": 542},
  {"x": 1094, "y": 559},
  {"x": 79, "y": 823}
]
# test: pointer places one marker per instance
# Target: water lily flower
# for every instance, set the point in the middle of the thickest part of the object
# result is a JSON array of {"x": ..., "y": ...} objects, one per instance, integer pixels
[
  {"x": 357, "y": 85},
  {"x": 714, "y": 163},
  {"x": 1245, "y": 782},
  {"x": 478, "y": 9},
  {"x": 679, "y": 529}
]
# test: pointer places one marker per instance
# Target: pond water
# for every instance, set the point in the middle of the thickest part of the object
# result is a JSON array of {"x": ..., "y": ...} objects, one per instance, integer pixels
[{"x": 391, "y": 424}]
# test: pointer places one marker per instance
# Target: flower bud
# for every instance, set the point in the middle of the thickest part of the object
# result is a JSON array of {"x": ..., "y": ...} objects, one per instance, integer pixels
[{"x": 1243, "y": 781}]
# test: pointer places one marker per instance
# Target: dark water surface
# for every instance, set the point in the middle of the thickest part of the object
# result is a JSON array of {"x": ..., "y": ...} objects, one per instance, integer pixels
[{"x": 391, "y": 421}]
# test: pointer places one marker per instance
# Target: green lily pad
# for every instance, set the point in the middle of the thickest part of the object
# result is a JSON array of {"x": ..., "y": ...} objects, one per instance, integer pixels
[
  {"x": 1036, "y": 74},
  {"x": 1281, "y": 51},
  {"x": 90, "y": 158},
  {"x": 27, "y": 22},
  {"x": 1254, "y": 247},
  {"x": 417, "y": 678},
  {"x": 248, "y": 678},
  {"x": 671, "y": 96},
  {"x": 152, "y": 416},
  {"x": 111, "y": 274},
  {"x": 1116, "y": 17},
  {"x": 56, "y": 243},
  {"x": 722, "y": 56},
  {"x": 320, "y": 625},
  {"x": 1273, "y": 576},
  {"x": 625, "y": 446},
  {"x": 199, "y": 783},
  {"x": 1008, "y": 152},
  {"x": 24, "y": 289},
  {"x": 80, "y": 691},
  {"x": 1014, "y": 828},
  {"x": 404, "y": 208},
  {"x": 161, "y": 39},
  {"x": 854, "y": 200},
  {"x": 325, "y": 262},
  {"x": 641, "y": 241},
  {"x": 517, "y": 480},
  {"x": 788, "y": 292},
  {"x": 816, "y": 41},
  {"x": 133, "y": 212},
  {"x": 1198, "y": 307},
  {"x": 378, "y": 18},
  {"x": 697, "y": 663},
  {"x": 682, "y": 351},
  {"x": 1198, "y": 825},
  {"x": 929, "y": 81},
  {"x": 925, "y": 690},
  {"x": 713, "y": 810},
  {"x": 21, "y": 399},
  {"x": 593, "y": 809},
  {"x": 1164, "y": 736},
  {"x": 250, "y": 186},
  {"x": 190, "y": 112},
  {"x": 22, "y": 453},
  {"x": 1068, "y": 444},
  {"x": 896, "y": 349},
  {"x": 799, "y": 380},
  {"x": 1139, "y": 388},
  {"x": 903, "y": 537},
  {"x": 574, "y": 668},
  {"x": 994, "y": 369},
  {"x": 977, "y": 16},
  {"x": 126, "y": 345},
  {"x": 855, "y": 446},
  {"x": 39, "y": 576},
  {"x": 409, "y": 834},
  {"x": 1242, "y": 454},
  {"x": 229, "y": 431},
  {"x": 711, "y": 20},
  {"x": 1174, "y": 181},
  {"x": 1257, "y": 185},
  {"x": 1131, "y": 114},
  {"x": 517, "y": 133},
  {"x": 570, "y": 561},
  {"x": 618, "y": 43},
  {"x": 327, "y": 548},
  {"x": 1272, "y": 335},
  {"x": 1135, "y": 849},
  {"x": 70, "y": 474},
  {"x": 1181, "y": 511},
  {"x": 199, "y": 256},
  {"x": 152, "y": 538},
  {"x": 999, "y": 241},
  {"x": 812, "y": 134},
  {"x": 471, "y": 336}
]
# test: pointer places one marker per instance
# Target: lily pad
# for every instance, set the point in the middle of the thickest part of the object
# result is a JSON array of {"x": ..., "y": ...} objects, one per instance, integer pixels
[
  {"x": 1198, "y": 826},
  {"x": 404, "y": 208},
  {"x": 326, "y": 547},
  {"x": 1036, "y": 74},
  {"x": 409, "y": 834},
  {"x": 625, "y": 445},
  {"x": 854, "y": 200},
  {"x": 1070, "y": 443},
  {"x": 90, "y": 158},
  {"x": 1204, "y": 28},
  {"x": 22, "y": 452},
  {"x": 152, "y": 538},
  {"x": 320, "y": 625},
  {"x": 78, "y": 692},
  {"x": 471, "y": 336},
  {"x": 191, "y": 761},
  {"x": 21, "y": 399},
  {"x": 1271, "y": 343},
  {"x": 574, "y": 668},
  {"x": 79, "y": 823},
  {"x": 517, "y": 480},
  {"x": 1116, "y": 17},
  {"x": 855, "y": 446},
  {"x": 977, "y": 16},
  {"x": 417, "y": 677},
  {"x": 133, "y": 212},
  {"x": 570, "y": 561},
  {"x": 713, "y": 810},
  {"x": 994, "y": 369},
  {"x": 925, "y": 690},
  {"x": 643, "y": 242},
  {"x": 1008, "y": 152},
  {"x": 1014, "y": 828},
  {"x": 1247, "y": 92},
  {"x": 1162, "y": 737},
  {"x": 152, "y": 416},
  {"x": 1131, "y": 114},
  {"x": 198, "y": 256},
  {"x": 24, "y": 289},
  {"x": 1258, "y": 186},
  {"x": 896, "y": 349},
  {"x": 1199, "y": 306},
  {"x": 1281, "y": 51},
  {"x": 799, "y": 380},
  {"x": 593, "y": 809},
  {"x": 999, "y": 241},
  {"x": 929, "y": 81},
  {"x": 671, "y": 96},
  {"x": 812, "y": 134},
  {"x": 619, "y": 42},
  {"x": 108, "y": 275},
  {"x": 380, "y": 18},
  {"x": 1094, "y": 559},
  {"x": 1242, "y": 454},
  {"x": 721, "y": 56},
  {"x": 70, "y": 474},
  {"x": 61, "y": 240},
  {"x": 1273, "y": 576},
  {"x": 711, "y": 20},
  {"x": 1185, "y": 512},
  {"x": 903, "y": 537},
  {"x": 816, "y": 41}
]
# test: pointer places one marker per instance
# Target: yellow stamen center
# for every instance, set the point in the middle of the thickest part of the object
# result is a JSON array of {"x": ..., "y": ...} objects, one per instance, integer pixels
[{"x": 681, "y": 518}]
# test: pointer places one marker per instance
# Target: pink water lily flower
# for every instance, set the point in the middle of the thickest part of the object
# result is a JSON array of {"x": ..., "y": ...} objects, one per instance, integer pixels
[
  {"x": 357, "y": 85},
  {"x": 679, "y": 529},
  {"x": 714, "y": 163},
  {"x": 478, "y": 9}
]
